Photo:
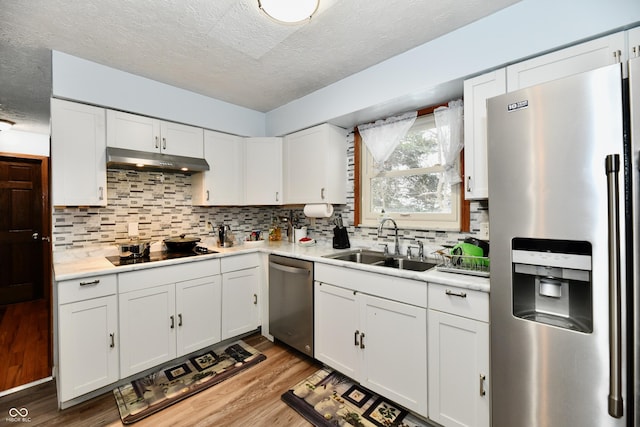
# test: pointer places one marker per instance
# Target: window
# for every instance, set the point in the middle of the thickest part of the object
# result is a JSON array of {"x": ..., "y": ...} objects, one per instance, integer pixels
[{"x": 410, "y": 186}]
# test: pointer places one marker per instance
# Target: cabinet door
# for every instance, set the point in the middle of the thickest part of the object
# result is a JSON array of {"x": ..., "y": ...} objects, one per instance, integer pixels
[
  {"x": 78, "y": 154},
  {"x": 133, "y": 132},
  {"x": 476, "y": 92},
  {"x": 181, "y": 140},
  {"x": 315, "y": 166},
  {"x": 198, "y": 305},
  {"x": 223, "y": 184},
  {"x": 336, "y": 329},
  {"x": 240, "y": 310},
  {"x": 458, "y": 371},
  {"x": 572, "y": 60},
  {"x": 634, "y": 42},
  {"x": 88, "y": 347},
  {"x": 148, "y": 328},
  {"x": 395, "y": 334},
  {"x": 263, "y": 171}
]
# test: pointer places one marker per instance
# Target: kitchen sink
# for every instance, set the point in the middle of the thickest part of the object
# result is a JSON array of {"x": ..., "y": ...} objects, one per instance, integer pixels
[{"x": 363, "y": 256}]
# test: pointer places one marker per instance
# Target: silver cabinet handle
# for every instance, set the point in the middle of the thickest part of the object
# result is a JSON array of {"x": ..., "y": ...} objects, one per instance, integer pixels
[
  {"x": 180, "y": 319},
  {"x": 207, "y": 195},
  {"x": 288, "y": 269},
  {"x": 612, "y": 167},
  {"x": 100, "y": 193},
  {"x": 164, "y": 143},
  {"x": 355, "y": 338},
  {"x": 456, "y": 294},
  {"x": 482, "y": 390},
  {"x": 93, "y": 282},
  {"x": 617, "y": 56},
  {"x": 277, "y": 196},
  {"x": 35, "y": 235},
  {"x": 112, "y": 337},
  {"x": 173, "y": 321},
  {"x": 361, "y": 339},
  {"x": 322, "y": 193},
  {"x": 255, "y": 299},
  {"x": 469, "y": 184},
  {"x": 156, "y": 144}
]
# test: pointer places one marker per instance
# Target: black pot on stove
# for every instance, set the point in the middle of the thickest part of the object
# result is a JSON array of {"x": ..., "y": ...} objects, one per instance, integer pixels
[{"x": 181, "y": 243}]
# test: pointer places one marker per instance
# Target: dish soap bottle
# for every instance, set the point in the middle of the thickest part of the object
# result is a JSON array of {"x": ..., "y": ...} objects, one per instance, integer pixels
[{"x": 275, "y": 232}]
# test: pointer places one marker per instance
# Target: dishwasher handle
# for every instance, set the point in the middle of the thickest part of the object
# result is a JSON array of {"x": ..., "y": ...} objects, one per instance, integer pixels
[{"x": 288, "y": 269}]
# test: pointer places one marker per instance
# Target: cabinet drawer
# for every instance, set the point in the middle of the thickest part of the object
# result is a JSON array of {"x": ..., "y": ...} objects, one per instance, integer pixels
[
  {"x": 399, "y": 289},
  {"x": 459, "y": 301},
  {"x": 239, "y": 262},
  {"x": 86, "y": 288},
  {"x": 155, "y": 276}
]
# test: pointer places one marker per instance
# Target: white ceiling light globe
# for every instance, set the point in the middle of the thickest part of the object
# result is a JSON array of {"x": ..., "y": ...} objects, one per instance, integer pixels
[{"x": 289, "y": 11}]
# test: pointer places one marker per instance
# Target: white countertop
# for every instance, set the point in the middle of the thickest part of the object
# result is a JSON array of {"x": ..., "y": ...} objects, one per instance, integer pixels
[{"x": 76, "y": 264}]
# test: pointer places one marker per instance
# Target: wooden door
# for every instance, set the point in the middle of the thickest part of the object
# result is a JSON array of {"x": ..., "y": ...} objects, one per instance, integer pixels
[{"x": 23, "y": 229}]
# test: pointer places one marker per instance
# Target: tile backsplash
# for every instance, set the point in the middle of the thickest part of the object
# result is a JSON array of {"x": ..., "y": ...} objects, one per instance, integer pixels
[{"x": 160, "y": 202}]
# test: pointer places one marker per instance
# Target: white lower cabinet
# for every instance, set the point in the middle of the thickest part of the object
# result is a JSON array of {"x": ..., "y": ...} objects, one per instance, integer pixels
[
  {"x": 198, "y": 304},
  {"x": 148, "y": 328},
  {"x": 240, "y": 290},
  {"x": 160, "y": 322},
  {"x": 88, "y": 335},
  {"x": 377, "y": 341},
  {"x": 458, "y": 357}
]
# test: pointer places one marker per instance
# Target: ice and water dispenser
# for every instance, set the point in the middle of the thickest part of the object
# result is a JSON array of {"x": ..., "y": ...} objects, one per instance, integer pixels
[{"x": 552, "y": 282}]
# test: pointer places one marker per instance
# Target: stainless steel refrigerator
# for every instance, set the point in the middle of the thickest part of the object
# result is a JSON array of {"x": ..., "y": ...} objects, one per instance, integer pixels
[{"x": 563, "y": 210}]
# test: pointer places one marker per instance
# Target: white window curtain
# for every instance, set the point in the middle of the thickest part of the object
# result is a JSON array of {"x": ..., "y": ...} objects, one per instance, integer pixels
[
  {"x": 449, "y": 126},
  {"x": 383, "y": 136}
]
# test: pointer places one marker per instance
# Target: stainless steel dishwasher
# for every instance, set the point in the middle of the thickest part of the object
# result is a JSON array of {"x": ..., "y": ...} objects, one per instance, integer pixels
[{"x": 291, "y": 302}]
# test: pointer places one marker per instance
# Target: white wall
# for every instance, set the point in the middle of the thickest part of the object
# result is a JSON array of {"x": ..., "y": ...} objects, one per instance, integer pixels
[
  {"x": 433, "y": 72},
  {"x": 18, "y": 142},
  {"x": 81, "y": 80}
]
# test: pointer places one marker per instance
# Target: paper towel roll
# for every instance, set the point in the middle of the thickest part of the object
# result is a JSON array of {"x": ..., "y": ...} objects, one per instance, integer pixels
[{"x": 318, "y": 210}]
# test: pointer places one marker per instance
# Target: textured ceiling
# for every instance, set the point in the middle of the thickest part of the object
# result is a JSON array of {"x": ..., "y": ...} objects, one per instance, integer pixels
[{"x": 225, "y": 49}]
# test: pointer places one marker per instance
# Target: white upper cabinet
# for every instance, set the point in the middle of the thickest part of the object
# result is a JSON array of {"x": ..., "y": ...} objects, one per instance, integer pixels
[
  {"x": 634, "y": 42},
  {"x": 263, "y": 171},
  {"x": 315, "y": 166},
  {"x": 78, "y": 154},
  {"x": 223, "y": 183},
  {"x": 476, "y": 92},
  {"x": 134, "y": 132},
  {"x": 562, "y": 63}
]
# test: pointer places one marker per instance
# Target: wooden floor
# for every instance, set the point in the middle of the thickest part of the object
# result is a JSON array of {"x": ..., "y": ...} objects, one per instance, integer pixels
[
  {"x": 251, "y": 398},
  {"x": 24, "y": 343}
]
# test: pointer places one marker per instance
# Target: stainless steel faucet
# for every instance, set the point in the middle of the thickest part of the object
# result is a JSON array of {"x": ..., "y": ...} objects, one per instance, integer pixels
[{"x": 395, "y": 228}]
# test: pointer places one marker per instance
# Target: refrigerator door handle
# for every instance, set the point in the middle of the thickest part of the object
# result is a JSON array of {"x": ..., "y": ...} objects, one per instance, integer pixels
[{"x": 612, "y": 168}]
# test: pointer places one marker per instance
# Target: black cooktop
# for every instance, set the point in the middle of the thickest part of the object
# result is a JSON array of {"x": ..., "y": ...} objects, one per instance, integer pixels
[{"x": 158, "y": 256}]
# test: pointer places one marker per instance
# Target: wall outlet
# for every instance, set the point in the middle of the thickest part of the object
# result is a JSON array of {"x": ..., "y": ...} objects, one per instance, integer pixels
[
  {"x": 484, "y": 231},
  {"x": 132, "y": 230}
]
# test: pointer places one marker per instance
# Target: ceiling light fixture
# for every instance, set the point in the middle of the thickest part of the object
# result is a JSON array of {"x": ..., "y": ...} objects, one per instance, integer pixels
[
  {"x": 5, "y": 124},
  {"x": 289, "y": 11}
]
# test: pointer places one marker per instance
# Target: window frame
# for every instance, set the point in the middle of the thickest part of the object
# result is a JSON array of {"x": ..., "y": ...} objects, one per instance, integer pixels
[{"x": 463, "y": 206}]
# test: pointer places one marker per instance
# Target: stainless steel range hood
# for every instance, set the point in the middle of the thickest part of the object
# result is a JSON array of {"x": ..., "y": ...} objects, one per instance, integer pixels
[{"x": 121, "y": 158}]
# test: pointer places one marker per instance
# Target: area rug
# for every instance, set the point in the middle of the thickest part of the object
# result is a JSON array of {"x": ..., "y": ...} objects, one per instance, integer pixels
[
  {"x": 154, "y": 392},
  {"x": 328, "y": 398}
]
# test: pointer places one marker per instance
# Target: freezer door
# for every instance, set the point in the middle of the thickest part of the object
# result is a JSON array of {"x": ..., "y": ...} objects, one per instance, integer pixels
[{"x": 546, "y": 152}]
